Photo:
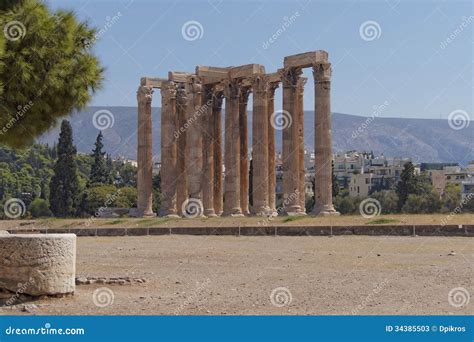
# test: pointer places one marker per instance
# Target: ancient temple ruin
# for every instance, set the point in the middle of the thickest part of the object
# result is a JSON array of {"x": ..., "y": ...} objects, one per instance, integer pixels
[{"x": 198, "y": 167}]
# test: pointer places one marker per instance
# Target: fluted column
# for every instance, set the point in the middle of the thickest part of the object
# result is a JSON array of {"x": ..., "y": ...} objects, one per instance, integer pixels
[
  {"x": 291, "y": 143},
  {"x": 168, "y": 150},
  {"x": 271, "y": 149},
  {"x": 194, "y": 144},
  {"x": 323, "y": 141},
  {"x": 259, "y": 145},
  {"x": 217, "y": 135},
  {"x": 208, "y": 152},
  {"x": 244, "y": 159},
  {"x": 232, "y": 150},
  {"x": 302, "y": 172},
  {"x": 181, "y": 176},
  {"x": 144, "y": 152}
]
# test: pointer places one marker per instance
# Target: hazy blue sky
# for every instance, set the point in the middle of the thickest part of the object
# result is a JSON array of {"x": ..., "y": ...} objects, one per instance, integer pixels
[{"x": 409, "y": 65}]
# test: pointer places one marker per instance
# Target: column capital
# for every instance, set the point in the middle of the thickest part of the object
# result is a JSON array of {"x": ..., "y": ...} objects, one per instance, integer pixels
[
  {"x": 271, "y": 89},
  {"x": 194, "y": 85},
  {"x": 290, "y": 76},
  {"x": 218, "y": 96},
  {"x": 144, "y": 94},
  {"x": 244, "y": 94},
  {"x": 300, "y": 83},
  {"x": 232, "y": 88},
  {"x": 181, "y": 94},
  {"x": 169, "y": 90},
  {"x": 260, "y": 83},
  {"x": 322, "y": 72}
]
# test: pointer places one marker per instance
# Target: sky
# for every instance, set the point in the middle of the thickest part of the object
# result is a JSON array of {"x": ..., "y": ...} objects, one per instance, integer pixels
[{"x": 410, "y": 59}]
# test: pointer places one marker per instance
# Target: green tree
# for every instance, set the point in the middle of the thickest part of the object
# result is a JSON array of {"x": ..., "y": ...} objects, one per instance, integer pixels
[
  {"x": 426, "y": 203},
  {"x": 346, "y": 206},
  {"x": 388, "y": 200},
  {"x": 156, "y": 185},
  {"x": 335, "y": 182},
  {"x": 127, "y": 173},
  {"x": 46, "y": 70},
  {"x": 98, "y": 173},
  {"x": 414, "y": 204},
  {"x": 64, "y": 185},
  {"x": 407, "y": 184},
  {"x": 451, "y": 196},
  {"x": 39, "y": 208},
  {"x": 112, "y": 176}
]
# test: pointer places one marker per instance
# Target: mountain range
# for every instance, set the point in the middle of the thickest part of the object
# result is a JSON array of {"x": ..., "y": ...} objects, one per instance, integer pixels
[{"x": 423, "y": 140}]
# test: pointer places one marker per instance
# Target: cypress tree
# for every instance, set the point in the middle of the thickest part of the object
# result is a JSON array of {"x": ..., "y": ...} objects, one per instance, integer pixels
[
  {"x": 335, "y": 182},
  {"x": 407, "y": 184},
  {"x": 109, "y": 166},
  {"x": 98, "y": 173},
  {"x": 64, "y": 185}
]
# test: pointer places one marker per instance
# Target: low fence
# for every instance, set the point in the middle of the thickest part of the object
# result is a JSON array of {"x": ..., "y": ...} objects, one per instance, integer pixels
[{"x": 395, "y": 230}]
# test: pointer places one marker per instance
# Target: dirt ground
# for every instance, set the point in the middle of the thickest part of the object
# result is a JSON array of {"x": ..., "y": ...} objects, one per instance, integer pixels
[
  {"x": 354, "y": 220},
  {"x": 212, "y": 275}
]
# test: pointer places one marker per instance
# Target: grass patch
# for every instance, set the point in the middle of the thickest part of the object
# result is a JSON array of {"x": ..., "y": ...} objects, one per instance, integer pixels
[
  {"x": 383, "y": 221},
  {"x": 293, "y": 218},
  {"x": 117, "y": 221}
]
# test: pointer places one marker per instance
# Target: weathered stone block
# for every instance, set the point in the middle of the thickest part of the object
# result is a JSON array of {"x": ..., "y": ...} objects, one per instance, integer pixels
[{"x": 38, "y": 264}]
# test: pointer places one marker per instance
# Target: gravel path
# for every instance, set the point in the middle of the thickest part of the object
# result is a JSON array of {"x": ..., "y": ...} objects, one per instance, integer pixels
[{"x": 237, "y": 275}]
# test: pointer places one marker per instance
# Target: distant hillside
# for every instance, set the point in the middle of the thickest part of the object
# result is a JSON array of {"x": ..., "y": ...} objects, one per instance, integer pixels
[{"x": 429, "y": 140}]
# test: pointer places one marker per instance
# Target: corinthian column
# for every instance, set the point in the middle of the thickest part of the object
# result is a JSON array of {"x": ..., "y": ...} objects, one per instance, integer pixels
[
  {"x": 208, "y": 153},
  {"x": 323, "y": 141},
  {"x": 217, "y": 134},
  {"x": 271, "y": 149},
  {"x": 291, "y": 143},
  {"x": 244, "y": 159},
  {"x": 232, "y": 150},
  {"x": 181, "y": 176},
  {"x": 194, "y": 146},
  {"x": 168, "y": 149},
  {"x": 302, "y": 172},
  {"x": 144, "y": 152},
  {"x": 259, "y": 145}
]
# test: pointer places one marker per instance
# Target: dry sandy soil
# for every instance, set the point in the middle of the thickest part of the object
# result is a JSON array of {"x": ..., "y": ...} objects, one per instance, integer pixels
[
  {"x": 236, "y": 275},
  {"x": 355, "y": 220}
]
